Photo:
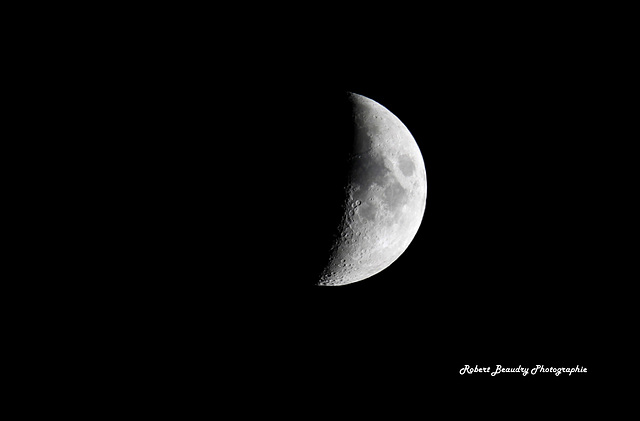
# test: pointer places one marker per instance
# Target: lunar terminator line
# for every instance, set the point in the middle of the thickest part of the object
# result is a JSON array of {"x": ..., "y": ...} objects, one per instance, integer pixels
[{"x": 385, "y": 196}]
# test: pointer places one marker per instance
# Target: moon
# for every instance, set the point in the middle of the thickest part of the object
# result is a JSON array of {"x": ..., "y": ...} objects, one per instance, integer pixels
[{"x": 385, "y": 196}]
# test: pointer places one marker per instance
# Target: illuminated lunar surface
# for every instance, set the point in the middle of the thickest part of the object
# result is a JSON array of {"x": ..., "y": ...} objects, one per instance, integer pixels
[{"x": 385, "y": 196}]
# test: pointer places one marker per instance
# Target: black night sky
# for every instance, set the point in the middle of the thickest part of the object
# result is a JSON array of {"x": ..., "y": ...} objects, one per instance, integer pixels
[{"x": 504, "y": 269}]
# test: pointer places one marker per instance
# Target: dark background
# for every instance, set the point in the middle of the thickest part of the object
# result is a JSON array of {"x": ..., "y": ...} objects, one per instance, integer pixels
[
  {"x": 197, "y": 192},
  {"x": 507, "y": 267}
]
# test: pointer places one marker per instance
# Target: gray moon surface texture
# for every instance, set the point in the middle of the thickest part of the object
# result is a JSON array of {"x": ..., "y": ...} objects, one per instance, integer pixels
[{"x": 385, "y": 196}]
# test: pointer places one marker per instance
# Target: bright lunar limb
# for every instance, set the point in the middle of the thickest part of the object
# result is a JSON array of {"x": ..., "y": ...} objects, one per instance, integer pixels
[{"x": 385, "y": 200}]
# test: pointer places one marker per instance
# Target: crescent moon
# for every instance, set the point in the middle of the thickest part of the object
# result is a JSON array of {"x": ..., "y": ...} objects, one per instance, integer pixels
[{"x": 385, "y": 196}]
